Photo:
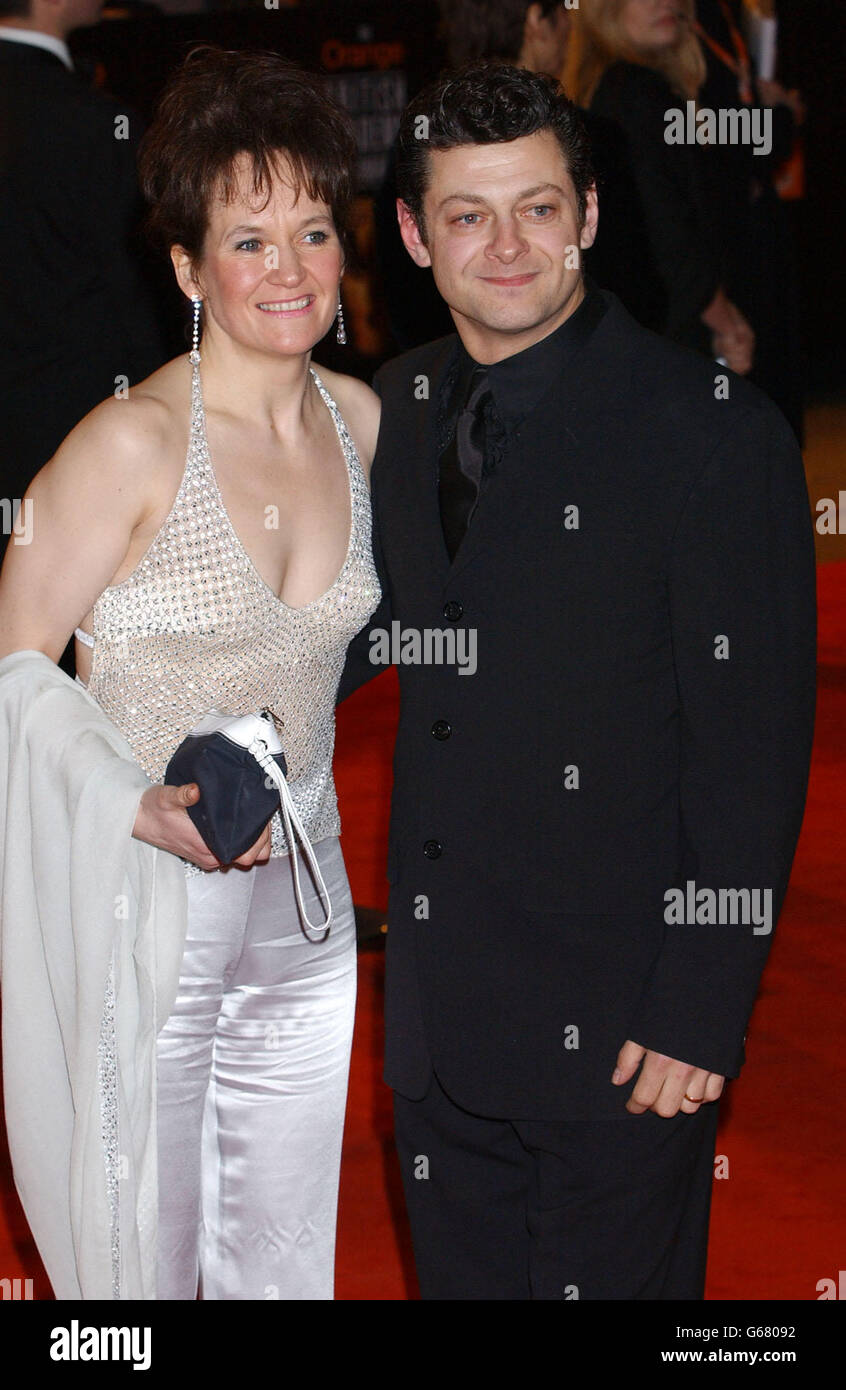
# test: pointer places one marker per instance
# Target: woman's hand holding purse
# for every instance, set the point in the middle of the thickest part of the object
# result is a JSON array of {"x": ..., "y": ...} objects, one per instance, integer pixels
[{"x": 163, "y": 821}]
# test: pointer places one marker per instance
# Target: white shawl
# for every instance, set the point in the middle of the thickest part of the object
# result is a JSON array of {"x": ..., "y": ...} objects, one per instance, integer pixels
[{"x": 92, "y": 930}]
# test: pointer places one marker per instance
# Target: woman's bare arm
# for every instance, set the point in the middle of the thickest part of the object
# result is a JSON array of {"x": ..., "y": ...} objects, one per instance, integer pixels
[{"x": 85, "y": 505}]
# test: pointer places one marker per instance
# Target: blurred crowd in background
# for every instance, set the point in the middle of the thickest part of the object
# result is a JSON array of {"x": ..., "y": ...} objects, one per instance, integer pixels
[{"x": 700, "y": 240}]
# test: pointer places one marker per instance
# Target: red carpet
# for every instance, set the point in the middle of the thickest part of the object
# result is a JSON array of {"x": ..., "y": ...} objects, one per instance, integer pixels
[{"x": 778, "y": 1222}]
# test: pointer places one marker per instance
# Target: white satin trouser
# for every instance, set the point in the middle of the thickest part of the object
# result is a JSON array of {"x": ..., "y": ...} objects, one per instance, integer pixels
[{"x": 252, "y": 1070}]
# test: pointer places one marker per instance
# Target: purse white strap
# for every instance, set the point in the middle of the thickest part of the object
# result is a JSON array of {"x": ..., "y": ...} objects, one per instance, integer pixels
[{"x": 261, "y": 753}]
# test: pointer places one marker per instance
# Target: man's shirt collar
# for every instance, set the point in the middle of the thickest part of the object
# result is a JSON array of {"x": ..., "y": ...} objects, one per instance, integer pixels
[
  {"x": 38, "y": 40},
  {"x": 519, "y": 382}
]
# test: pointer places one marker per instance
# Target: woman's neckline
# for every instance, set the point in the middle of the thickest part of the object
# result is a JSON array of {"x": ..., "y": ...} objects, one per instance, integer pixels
[{"x": 331, "y": 406}]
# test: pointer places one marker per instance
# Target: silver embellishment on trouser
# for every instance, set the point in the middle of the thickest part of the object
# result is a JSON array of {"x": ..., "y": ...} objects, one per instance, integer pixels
[{"x": 107, "y": 1079}]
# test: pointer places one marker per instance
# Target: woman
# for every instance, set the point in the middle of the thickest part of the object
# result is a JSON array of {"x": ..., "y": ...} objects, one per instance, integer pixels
[
  {"x": 631, "y": 61},
  {"x": 208, "y": 537}
]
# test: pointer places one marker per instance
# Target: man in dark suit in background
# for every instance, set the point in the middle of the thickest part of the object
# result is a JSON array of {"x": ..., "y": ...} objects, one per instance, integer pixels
[
  {"x": 75, "y": 316},
  {"x": 597, "y": 559}
]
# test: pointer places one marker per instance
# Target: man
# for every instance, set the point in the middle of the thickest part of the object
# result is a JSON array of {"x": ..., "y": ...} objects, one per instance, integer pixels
[
  {"x": 75, "y": 317},
  {"x": 531, "y": 35},
  {"x": 594, "y": 818}
]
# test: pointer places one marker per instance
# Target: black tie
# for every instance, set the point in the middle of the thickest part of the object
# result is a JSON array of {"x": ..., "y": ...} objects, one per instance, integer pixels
[{"x": 460, "y": 471}]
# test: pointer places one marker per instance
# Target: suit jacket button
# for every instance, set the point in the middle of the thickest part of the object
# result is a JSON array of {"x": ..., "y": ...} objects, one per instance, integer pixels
[
  {"x": 432, "y": 849},
  {"x": 441, "y": 729},
  {"x": 453, "y": 610}
]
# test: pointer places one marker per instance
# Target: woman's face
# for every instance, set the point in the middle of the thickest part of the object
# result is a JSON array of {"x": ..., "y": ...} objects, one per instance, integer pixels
[
  {"x": 650, "y": 25},
  {"x": 269, "y": 279}
]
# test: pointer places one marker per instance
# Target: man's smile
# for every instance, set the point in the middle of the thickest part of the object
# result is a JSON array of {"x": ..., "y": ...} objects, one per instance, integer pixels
[{"x": 510, "y": 280}]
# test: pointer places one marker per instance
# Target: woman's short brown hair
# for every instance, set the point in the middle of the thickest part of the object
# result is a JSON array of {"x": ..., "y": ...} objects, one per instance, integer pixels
[{"x": 221, "y": 104}]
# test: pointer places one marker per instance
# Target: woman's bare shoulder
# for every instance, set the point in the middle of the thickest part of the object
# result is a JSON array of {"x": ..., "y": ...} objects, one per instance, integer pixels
[
  {"x": 130, "y": 432},
  {"x": 360, "y": 407},
  {"x": 139, "y": 415}
]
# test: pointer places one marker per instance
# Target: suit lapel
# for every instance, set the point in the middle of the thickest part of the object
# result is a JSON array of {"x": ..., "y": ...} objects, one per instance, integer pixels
[{"x": 424, "y": 514}]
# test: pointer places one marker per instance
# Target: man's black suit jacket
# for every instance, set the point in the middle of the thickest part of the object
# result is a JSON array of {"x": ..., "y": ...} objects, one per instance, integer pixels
[
  {"x": 641, "y": 716},
  {"x": 74, "y": 311}
]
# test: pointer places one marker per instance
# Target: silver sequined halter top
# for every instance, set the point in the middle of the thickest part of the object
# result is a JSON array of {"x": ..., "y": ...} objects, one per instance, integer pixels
[{"x": 195, "y": 628}]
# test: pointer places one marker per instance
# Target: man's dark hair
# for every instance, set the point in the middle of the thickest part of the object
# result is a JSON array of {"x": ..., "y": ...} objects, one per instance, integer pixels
[
  {"x": 475, "y": 29},
  {"x": 14, "y": 9},
  {"x": 487, "y": 104}
]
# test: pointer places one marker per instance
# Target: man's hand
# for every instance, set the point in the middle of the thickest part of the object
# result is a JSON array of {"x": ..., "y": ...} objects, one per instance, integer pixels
[
  {"x": 737, "y": 350},
  {"x": 731, "y": 335},
  {"x": 664, "y": 1085},
  {"x": 163, "y": 821}
]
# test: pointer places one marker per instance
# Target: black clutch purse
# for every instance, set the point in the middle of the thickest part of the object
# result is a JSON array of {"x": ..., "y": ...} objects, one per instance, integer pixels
[
  {"x": 237, "y": 798},
  {"x": 240, "y": 769}
]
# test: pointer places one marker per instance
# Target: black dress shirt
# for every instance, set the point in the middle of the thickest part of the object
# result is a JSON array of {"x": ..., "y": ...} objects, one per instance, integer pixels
[{"x": 519, "y": 382}]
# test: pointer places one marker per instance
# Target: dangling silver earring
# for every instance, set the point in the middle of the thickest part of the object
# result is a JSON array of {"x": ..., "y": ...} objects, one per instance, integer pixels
[
  {"x": 194, "y": 354},
  {"x": 342, "y": 332}
]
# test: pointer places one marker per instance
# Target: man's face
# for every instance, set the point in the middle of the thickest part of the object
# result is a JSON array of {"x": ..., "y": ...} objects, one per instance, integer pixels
[{"x": 503, "y": 240}]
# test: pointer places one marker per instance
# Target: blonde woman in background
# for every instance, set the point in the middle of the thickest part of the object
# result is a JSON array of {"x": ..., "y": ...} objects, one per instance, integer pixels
[{"x": 629, "y": 62}]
